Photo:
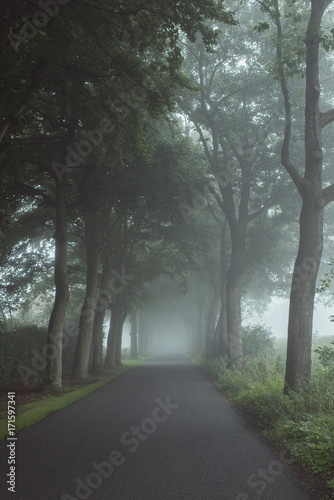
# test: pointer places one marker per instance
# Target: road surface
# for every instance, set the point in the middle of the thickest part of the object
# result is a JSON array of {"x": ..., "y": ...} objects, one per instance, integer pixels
[{"x": 161, "y": 431}]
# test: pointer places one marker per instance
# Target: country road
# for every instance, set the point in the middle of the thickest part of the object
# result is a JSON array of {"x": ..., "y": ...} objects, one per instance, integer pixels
[{"x": 161, "y": 431}]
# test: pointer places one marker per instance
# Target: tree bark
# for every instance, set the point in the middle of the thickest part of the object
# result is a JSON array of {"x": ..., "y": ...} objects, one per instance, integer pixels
[
  {"x": 82, "y": 353},
  {"x": 234, "y": 288},
  {"x": 100, "y": 311},
  {"x": 57, "y": 319},
  {"x": 197, "y": 347},
  {"x": 117, "y": 305},
  {"x": 299, "y": 350},
  {"x": 109, "y": 361},
  {"x": 134, "y": 334},
  {"x": 211, "y": 326},
  {"x": 220, "y": 337},
  {"x": 120, "y": 323},
  {"x": 193, "y": 326},
  {"x": 219, "y": 345},
  {"x": 202, "y": 321},
  {"x": 298, "y": 364},
  {"x": 142, "y": 333}
]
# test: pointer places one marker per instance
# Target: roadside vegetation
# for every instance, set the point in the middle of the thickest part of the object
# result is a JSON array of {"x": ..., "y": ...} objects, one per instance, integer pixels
[{"x": 302, "y": 421}]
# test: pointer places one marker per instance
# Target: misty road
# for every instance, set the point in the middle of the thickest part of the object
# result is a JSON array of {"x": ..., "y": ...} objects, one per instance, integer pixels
[{"x": 161, "y": 431}]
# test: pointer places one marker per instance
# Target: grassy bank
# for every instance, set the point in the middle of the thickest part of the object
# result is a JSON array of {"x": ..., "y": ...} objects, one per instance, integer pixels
[
  {"x": 31, "y": 412},
  {"x": 302, "y": 422}
]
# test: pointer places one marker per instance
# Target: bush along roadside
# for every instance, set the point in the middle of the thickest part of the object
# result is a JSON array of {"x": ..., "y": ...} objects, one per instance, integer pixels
[{"x": 302, "y": 422}]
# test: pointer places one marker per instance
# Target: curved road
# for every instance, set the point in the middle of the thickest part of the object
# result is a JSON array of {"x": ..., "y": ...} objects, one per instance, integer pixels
[{"x": 161, "y": 431}]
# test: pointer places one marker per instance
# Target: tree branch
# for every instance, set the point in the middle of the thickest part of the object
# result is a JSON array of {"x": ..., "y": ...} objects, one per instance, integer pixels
[
  {"x": 204, "y": 142},
  {"x": 328, "y": 194},
  {"x": 218, "y": 199},
  {"x": 220, "y": 222},
  {"x": 10, "y": 119},
  {"x": 269, "y": 12},
  {"x": 25, "y": 189},
  {"x": 285, "y": 151},
  {"x": 270, "y": 202},
  {"x": 326, "y": 118}
]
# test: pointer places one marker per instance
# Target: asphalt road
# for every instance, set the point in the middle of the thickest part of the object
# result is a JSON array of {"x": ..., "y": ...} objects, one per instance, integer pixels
[{"x": 161, "y": 431}]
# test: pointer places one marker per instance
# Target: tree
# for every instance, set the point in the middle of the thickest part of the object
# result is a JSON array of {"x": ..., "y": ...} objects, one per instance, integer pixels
[
  {"x": 134, "y": 334},
  {"x": 91, "y": 51},
  {"x": 234, "y": 123},
  {"x": 310, "y": 188}
]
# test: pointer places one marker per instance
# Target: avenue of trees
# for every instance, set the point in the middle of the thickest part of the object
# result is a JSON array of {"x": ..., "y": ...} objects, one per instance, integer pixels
[{"x": 175, "y": 151}]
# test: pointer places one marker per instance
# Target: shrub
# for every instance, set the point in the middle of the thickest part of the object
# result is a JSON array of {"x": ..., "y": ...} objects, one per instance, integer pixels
[
  {"x": 326, "y": 356},
  {"x": 17, "y": 349},
  {"x": 312, "y": 441},
  {"x": 257, "y": 341}
]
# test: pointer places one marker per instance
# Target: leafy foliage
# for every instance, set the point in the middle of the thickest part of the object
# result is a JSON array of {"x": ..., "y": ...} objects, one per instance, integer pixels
[
  {"x": 326, "y": 356},
  {"x": 311, "y": 441},
  {"x": 23, "y": 347},
  {"x": 327, "y": 280},
  {"x": 257, "y": 341}
]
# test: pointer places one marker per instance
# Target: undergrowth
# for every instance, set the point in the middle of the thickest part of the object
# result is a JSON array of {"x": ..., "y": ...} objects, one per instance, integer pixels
[{"x": 303, "y": 421}]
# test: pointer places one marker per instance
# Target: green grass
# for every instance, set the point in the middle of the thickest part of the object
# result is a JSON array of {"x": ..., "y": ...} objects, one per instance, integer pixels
[
  {"x": 31, "y": 413},
  {"x": 196, "y": 360},
  {"x": 302, "y": 422}
]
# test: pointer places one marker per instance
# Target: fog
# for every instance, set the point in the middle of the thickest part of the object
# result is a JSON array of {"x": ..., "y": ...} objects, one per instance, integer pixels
[
  {"x": 168, "y": 334},
  {"x": 276, "y": 317},
  {"x": 163, "y": 183}
]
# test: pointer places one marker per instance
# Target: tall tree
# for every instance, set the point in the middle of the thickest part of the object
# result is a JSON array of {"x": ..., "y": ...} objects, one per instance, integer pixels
[
  {"x": 82, "y": 54},
  {"x": 234, "y": 124},
  {"x": 310, "y": 188}
]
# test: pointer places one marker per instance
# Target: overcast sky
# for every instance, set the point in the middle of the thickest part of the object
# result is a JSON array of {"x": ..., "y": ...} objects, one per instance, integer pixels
[{"x": 277, "y": 318}]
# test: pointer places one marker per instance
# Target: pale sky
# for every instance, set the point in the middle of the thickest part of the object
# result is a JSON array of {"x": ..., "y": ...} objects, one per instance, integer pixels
[{"x": 277, "y": 318}]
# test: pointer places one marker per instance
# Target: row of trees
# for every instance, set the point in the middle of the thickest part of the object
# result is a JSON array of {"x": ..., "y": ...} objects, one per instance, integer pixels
[
  {"x": 82, "y": 155},
  {"x": 145, "y": 139},
  {"x": 244, "y": 143}
]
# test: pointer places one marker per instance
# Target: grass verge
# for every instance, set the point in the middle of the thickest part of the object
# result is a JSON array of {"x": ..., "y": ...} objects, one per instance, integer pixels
[{"x": 32, "y": 412}]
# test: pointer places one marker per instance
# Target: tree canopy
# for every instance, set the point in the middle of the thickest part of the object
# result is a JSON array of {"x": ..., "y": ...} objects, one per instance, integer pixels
[{"x": 176, "y": 150}]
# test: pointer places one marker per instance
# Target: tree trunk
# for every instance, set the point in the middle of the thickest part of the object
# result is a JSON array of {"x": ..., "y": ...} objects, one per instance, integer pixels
[
  {"x": 233, "y": 316},
  {"x": 109, "y": 361},
  {"x": 120, "y": 323},
  {"x": 142, "y": 333},
  {"x": 133, "y": 334},
  {"x": 200, "y": 335},
  {"x": 234, "y": 286},
  {"x": 197, "y": 329},
  {"x": 211, "y": 326},
  {"x": 82, "y": 352},
  {"x": 57, "y": 319},
  {"x": 220, "y": 337},
  {"x": 97, "y": 339},
  {"x": 219, "y": 344},
  {"x": 194, "y": 321},
  {"x": 298, "y": 364},
  {"x": 100, "y": 311}
]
